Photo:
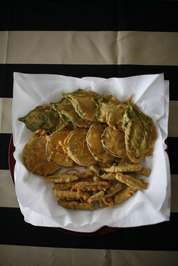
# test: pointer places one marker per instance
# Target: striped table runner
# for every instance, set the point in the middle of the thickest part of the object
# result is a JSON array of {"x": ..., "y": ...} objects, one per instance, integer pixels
[{"x": 108, "y": 39}]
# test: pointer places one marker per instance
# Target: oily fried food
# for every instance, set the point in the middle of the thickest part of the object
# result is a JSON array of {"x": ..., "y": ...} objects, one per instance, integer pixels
[
  {"x": 149, "y": 127},
  {"x": 96, "y": 197},
  {"x": 34, "y": 155},
  {"x": 108, "y": 176},
  {"x": 84, "y": 103},
  {"x": 63, "y": 186},
  {"x": 124, "y": 195},
  {"x": 42, "y": 117},
  {"x": 108, "y": 199},
  {"x": 80, "y": 171},
  {"x": 113, "y": 141},
  {"x": 91, "y": 148},
  {"x": 54, "y": 148},
  {"x": 70, "y": 195},
  {"x": 95, "y": 146},
  {"x": 111, "y": 113},
  {"x": 91, "y": 186},
  {"x": 124, "y": 167},
  {"x": 131, "y": 181},
  {"x": 77, "y": 149},
  {"x": 66, "y": 110},
  {"x": 145, "y": 171},
  {"x": 140, "y": 133},
  {"x": 115, "y": 188},
  {"x": 63, "y": 178}
]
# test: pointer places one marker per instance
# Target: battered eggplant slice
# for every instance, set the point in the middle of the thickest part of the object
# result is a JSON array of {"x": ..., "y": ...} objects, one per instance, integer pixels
[
  {"x": 111, "y": 113},
  {"x": 77, "y": 148},
  {"x": 67, "y": 111},
  {"x": 151, "y": 129},
  {"x": 113, "y": 140},
  {"x": 85, "y": 104},
  {"x": 42, "y": 117},
  {"x": 140, "y": 133},
  {"x": 54, "y": 148},
  {"x": 95, "y": 146},
  {"x": 34, "y": 155}
]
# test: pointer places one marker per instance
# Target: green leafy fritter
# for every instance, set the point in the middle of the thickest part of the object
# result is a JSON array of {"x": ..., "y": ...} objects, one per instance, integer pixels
[{"x": 41, "y": 117}]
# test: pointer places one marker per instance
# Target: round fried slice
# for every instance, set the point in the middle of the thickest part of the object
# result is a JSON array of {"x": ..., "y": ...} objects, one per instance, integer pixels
[
  {"x": 34, "y": 155},
  {"x": 54, "y": 148},
  {"x": 113, "y": 140},
  {"x": 77, "y": 148},
  {"x": 95, "y": 146},
  {"x": 69, "y": 114},
  {"x": 84, "y": 103},
  {"x": 111, "y": 113}
]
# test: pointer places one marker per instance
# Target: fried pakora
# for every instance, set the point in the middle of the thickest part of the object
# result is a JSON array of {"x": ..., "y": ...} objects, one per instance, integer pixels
[
  {"x": 66, "y": 110},
  {"x": 140, "y": 133},
  {"x": 42, "y": 117},
  {"x": 77, "y": 149},
  {"x": 34, "y": 155},
  {"x": 54, "y": 148},
  {"x": 124, "y": 195},
  {"x": 131, "y": 181},
  {"x": 111, "y": 113},
  {"x": 84, "y": 103},
  {"x": 113, "y": 141},
  {"x": 95, "y": 146},
  {"x": 124, "y": 167},
  {"x": 91, "y": 148}
]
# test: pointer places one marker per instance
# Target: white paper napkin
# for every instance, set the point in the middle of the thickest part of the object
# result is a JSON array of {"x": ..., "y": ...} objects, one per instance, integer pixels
[{"x": 36, "y": 200}]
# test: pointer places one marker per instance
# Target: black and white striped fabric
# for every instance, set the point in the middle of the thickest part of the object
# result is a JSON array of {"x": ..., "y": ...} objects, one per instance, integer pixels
[{"x": 87, "y": 38}]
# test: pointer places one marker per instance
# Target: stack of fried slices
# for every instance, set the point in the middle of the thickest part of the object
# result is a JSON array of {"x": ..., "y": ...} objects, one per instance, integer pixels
[{"x": 91, "y": 147}]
